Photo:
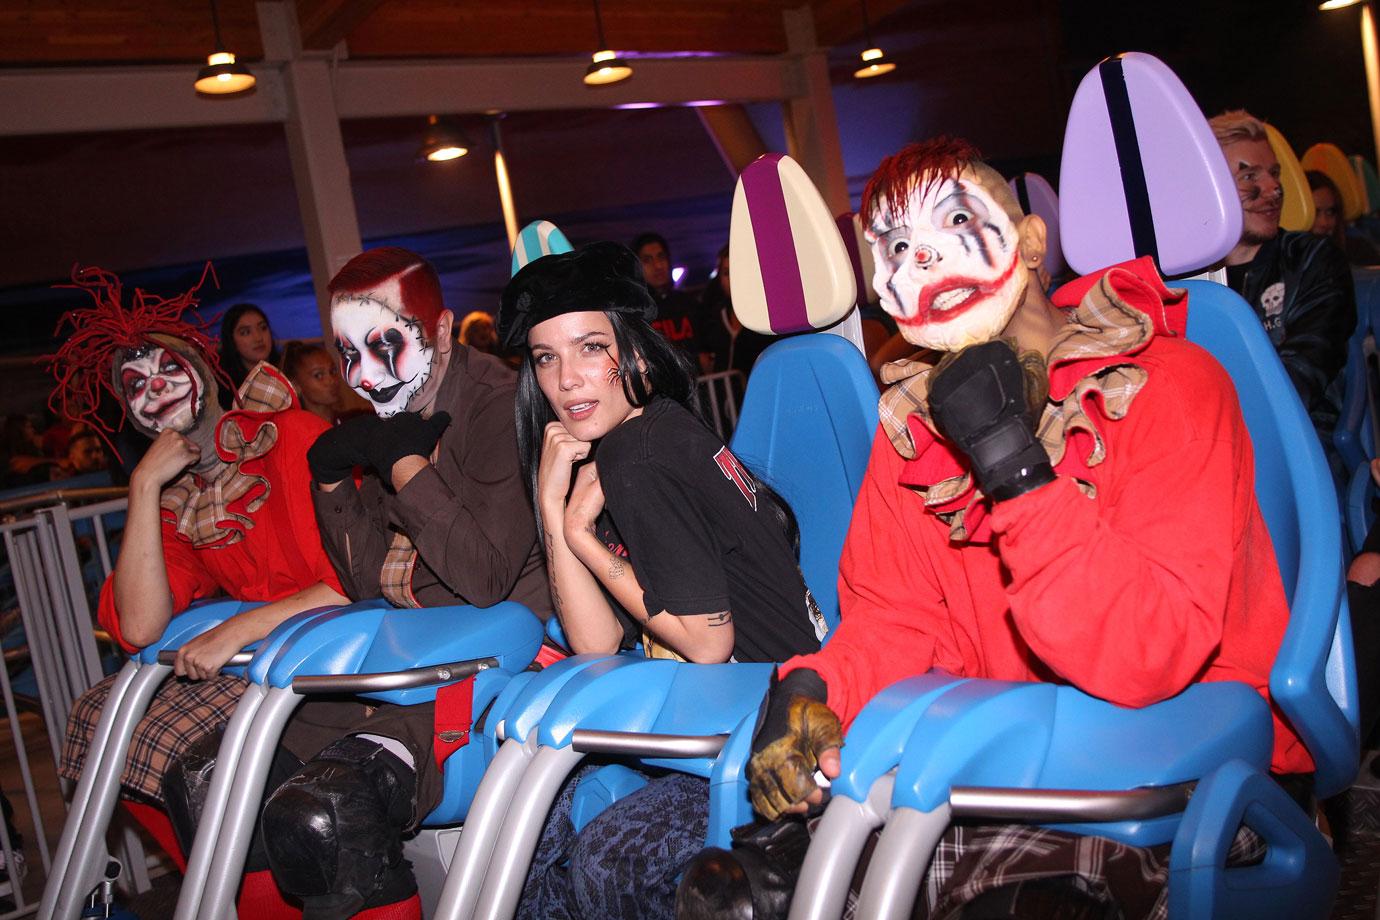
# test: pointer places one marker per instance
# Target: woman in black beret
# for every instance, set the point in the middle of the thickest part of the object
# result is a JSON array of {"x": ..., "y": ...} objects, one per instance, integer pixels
[{"x": 654, "y": 533}]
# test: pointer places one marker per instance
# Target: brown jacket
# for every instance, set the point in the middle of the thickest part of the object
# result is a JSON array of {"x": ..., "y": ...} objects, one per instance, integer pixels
[{"x": 468, "y": 514}]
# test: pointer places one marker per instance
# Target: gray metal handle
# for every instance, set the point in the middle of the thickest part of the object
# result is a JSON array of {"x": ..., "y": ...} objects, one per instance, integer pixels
[
  {"x": 392, "y": 680},
  {"x": 1068, "y": 805},
  {"x": 168, "y": 656},
  {"x": 638, "y": 744}
]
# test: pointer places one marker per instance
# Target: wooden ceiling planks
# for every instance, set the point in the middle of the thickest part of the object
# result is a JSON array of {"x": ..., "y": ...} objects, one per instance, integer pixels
[
  {"x": 77, "y": 32},
  {"x": 81, "y": 32}
]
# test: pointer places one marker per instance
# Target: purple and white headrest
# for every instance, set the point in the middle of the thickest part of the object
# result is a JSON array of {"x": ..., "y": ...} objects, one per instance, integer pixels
[
  {"x": 859, "y": 255},
  {"x": 1037, "y": 196},
  {"x": 1142, "y": 173},
  {"x": 790, "y": 269}
]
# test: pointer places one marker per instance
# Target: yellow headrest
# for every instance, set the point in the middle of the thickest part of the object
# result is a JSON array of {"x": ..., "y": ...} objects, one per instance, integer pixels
[
  {"x": 1297, "y": 211},
  {"x": 1327, "y": 159}
]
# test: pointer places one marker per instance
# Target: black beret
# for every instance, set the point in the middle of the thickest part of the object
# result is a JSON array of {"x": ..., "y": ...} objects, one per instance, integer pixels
[{"x": 599, "y": 276}]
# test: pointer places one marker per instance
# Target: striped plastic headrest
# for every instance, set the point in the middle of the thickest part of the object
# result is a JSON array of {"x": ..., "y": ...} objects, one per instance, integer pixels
[
  {"x": 1328, "y": 159},
  {"x": 791, "y": 272},
  {"x": 1370, "y": 182},
  {"x": 1037, "y": 196},
  {"x": 859, "y": 255},
  {"x": 537, "y": 239},
  {"x": 1142, "y": 174}
]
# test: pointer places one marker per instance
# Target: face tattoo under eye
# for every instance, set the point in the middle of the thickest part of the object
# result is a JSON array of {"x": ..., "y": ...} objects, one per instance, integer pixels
[
  {"x": 383, "y": 354},
  {"x": 948, "y": 265}
]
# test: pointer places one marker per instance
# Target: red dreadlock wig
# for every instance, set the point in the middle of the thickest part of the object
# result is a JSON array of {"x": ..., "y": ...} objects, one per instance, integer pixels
[
  {"x": 106, "y": 331},
  {"x": 418, "y": 285},
  {"x": 918, "y": 166}
]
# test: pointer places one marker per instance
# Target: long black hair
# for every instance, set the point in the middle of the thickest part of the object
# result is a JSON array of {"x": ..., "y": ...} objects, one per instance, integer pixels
[
  {"x": 649, "y": 366},
  {"x": 230, "y": 360}
]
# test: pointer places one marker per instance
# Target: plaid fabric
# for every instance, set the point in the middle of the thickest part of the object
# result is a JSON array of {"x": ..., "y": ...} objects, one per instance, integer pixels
[
  {"x": 1103, "y": 325},
  {"x": 180, "y": 713},
  {"x": 395, "y": 578},
  {"x": 201, "y": 509},
  {"x": 1131, "y": 881}
]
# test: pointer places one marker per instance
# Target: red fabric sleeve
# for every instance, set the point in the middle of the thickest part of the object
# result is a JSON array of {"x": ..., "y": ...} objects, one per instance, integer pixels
[
  {"x": 188, "y": 580},
  {"x": 1126, "y": 595},
  {"x": 297, "y": 431},
  {"x": 891, "y": 604}
]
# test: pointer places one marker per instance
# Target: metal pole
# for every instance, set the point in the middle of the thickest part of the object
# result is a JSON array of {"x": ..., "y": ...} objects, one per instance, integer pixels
[{"x": 1372, "y": 58}]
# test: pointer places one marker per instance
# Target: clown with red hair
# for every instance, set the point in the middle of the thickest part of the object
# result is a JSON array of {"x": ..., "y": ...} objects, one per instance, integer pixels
[
  {"x": 219, "y": 505},
  {"x": 1061, "y": 490},
  {"x": 422, "y": 502}
]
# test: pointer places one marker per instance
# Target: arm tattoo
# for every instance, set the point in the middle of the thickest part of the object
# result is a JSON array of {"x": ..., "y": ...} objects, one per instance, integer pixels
[
  {"x": 616, "y": 567},
  {"x": 555, "y": 592},
  {"x": 723, "y": 618}
]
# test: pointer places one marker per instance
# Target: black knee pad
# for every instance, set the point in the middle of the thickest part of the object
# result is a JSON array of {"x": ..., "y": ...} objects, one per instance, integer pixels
[
  {"x": 754, "y": 881},
  {"x": 333, "y": 831},
  {"x": 187, "y": 784}
]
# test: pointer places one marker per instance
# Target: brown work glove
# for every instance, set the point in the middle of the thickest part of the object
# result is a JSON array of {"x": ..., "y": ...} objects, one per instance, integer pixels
[{"x": 793, "y": 728}]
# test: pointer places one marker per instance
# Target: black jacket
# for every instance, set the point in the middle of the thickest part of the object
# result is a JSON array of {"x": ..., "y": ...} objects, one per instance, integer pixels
[{"x": 1300, "y": 286}]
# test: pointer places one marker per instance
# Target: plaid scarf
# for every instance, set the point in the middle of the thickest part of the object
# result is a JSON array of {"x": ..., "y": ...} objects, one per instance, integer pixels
[
  {"x": 1104, "y": 328},
  {"x": 395, "y": 577},
  {"x": 201, "y": 508}
]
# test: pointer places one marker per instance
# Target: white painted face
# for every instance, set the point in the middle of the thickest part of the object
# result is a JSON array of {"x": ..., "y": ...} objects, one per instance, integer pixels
[
  {"x": 949, "y": 266},
  {"x": 162, "y": 390},
  {"x": 384, "y": 355}
]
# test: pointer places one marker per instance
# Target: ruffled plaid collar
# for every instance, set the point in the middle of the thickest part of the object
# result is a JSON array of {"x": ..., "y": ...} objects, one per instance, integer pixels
[
  {"x": 1112, "y": 316},
  {"x": 216, "y": 513}
]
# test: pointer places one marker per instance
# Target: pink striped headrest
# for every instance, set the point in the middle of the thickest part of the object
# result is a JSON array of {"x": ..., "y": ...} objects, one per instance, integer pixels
[{"x": 790, "y": 270}]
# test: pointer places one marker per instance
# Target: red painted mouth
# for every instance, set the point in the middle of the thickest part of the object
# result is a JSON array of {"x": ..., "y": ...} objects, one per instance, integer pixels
[{"x": 980, "y": 291}]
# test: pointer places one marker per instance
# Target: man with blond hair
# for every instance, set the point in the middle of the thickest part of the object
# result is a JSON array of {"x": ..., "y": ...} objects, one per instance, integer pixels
[{"x": 1299, "y": 284}]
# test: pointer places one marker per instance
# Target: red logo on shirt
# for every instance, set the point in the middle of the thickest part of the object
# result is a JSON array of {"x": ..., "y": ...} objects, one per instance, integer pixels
[{"x": 733, "y": 470}]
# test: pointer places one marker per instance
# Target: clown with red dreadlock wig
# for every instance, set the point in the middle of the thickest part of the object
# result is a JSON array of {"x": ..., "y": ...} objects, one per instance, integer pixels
[
  {"x": 219, "y": 505},
  {"x": 1061, "y": 490}
]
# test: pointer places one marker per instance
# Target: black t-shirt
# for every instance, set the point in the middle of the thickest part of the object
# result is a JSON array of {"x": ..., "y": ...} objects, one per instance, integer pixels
[
  {"x": 681, "y": 320},
  {"x": 699, "y": 536}
]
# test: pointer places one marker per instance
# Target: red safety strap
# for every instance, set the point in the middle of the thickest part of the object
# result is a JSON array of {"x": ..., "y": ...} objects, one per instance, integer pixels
[{"x": 454, "y": 716}]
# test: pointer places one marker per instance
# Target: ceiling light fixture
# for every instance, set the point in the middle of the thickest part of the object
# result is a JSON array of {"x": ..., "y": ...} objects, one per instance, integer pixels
[
  {"x": 222, "y": 75},
  {"x": 874, "y": 62},
  {"x": 606, "y": 66},
  {"x": 443, "y": 141},
  {"x": 1337, "y": 4}
]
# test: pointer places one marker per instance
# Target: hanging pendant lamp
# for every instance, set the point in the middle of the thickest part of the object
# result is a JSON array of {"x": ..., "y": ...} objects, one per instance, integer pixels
[
  {"x": 874, "y": 60},
  {"x": 222, "y": 74},
  {"x": 606, "y": 66}
]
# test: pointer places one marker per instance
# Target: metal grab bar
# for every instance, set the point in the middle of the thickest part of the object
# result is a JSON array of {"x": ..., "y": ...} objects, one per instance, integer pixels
[
  {"x": 1068, "y": 805},
  {"x": 392, "y": 680},
  {"x": 168, "y": 656},
  {"x": 638, "y": 744}
]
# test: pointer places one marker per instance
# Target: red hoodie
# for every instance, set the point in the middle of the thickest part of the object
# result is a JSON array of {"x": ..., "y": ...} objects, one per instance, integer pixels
[{"x": 1165, "y": 578}]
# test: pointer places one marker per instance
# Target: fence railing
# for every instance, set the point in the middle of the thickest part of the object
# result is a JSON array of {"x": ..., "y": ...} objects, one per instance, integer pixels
[{"x": 58, "y": 547}]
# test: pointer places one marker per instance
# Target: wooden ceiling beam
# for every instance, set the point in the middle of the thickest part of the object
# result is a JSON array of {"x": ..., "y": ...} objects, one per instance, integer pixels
[
  {"x": 325, "y": 23},
  {"x": 79, "y": 101}
]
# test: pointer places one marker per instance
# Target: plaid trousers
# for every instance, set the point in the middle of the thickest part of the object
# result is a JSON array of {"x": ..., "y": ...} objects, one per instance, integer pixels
[{"x": 180, "y": 713}]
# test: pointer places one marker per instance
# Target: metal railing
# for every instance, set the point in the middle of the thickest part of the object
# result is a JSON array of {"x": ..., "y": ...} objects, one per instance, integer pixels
[{"x": 52, "y": 540}]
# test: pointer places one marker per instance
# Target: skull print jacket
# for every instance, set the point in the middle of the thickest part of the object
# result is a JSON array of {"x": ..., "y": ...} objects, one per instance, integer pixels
[{"x": 1300, "y": 287}]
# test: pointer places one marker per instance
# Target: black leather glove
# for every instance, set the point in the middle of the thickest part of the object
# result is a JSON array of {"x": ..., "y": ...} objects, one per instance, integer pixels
[
  {"x": 794, "y": 727},
  {"x": 403, "y": 435},
  {"x": 987, "y": 402},
  {"x": 338, "y": 451}
]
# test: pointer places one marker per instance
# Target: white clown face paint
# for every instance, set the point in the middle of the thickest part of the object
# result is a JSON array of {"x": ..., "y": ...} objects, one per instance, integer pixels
[
  {"x": 949, "y": 266},
  {"x": 384, "y": 355},
  {"x": 162, "y": 390}
]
